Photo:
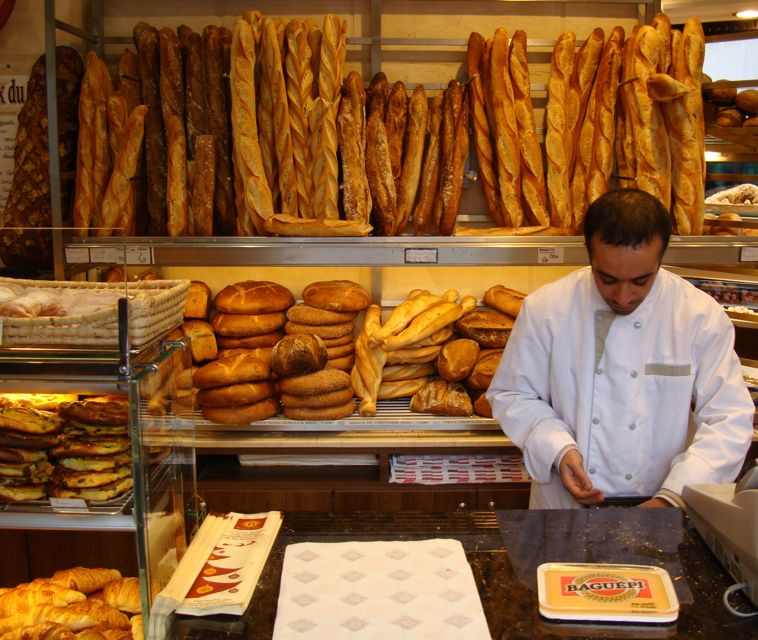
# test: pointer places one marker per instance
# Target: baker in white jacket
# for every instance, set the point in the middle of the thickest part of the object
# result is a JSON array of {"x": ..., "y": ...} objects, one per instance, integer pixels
[{"x": 605, "y": 367}]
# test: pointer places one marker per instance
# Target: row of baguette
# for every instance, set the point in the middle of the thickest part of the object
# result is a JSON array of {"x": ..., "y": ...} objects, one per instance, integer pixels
[
  {"x": 630, "y": 102},
  {"x": 257, "y": 353}
]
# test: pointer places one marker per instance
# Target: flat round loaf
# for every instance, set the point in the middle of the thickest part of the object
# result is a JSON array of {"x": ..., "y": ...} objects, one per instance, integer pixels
[
  {"x": 320, "y": 413},
  {"x": 457, "y": 358},
  {"x": 306, "y": 314},
  {"x": 322, "y": 331},
  {"x": 231, "y": 370},
  {"x": 489, "y": 327},
  {"x": 241, "y": 325},
  {"x": 250, "y": 342},
  {"x": 253, "y": 296},
  {"x": 485, "y": 367},
  {"x": 243, "y": 414},
  {"x": 298, "y": 354},
  {"x": 329, "y": 399},
  {"x": 337, "y": 295},
  {"x": 234, "y": 395},
  {"x": 345, "y": 363},
  {"x": 317, "y": 382},
  {"x": 260, "y": 352}
]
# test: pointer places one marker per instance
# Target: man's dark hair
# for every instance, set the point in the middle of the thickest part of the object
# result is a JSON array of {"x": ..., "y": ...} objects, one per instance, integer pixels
[{"x": 628, "y": 218}]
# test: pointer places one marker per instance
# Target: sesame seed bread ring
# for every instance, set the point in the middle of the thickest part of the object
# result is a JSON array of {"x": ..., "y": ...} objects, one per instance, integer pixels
[
  {"x": 337, "y": 295},
  {"x": 320, "y": 413},
  {"x": 253, "y": 296},
  {"x": 306, "y": 314},
  {"x": 239, "y": 325},
  {"x": 329, "y": 343},
  {"x": 329, "y": 399},
  {"x": 250, "y": 342},
  {"x": 243, "y": 414},
  {"x": 340, "y": 351},
  {"x": 317, "y": 382},
  {"x": 234, "y": 395},
  {"x": 322, "y": 330},
  {"x": 345, "y": 363}
]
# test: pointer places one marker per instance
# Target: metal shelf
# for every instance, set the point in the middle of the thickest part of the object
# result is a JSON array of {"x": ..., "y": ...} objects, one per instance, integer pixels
[{"x": 376, "y": 251}]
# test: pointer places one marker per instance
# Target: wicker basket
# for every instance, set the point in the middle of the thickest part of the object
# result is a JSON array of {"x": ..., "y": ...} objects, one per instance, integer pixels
[{"x": 155, "y": 307}]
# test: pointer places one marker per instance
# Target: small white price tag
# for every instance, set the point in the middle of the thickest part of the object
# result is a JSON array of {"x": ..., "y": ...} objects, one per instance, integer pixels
[
  {"x": 107, "y": 255},
  {"x": 139, "y": 255},
  {"x": 749, "y": 254},
  {"x": 68, "y": 503},
  {"x": 421, "y": 256},
  {"x": 77, "y": 255},
  {"x": 550, "y": 255}
]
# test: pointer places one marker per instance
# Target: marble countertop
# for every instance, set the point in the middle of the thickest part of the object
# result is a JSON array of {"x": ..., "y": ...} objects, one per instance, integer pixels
[{"x": 504, "y": 549}]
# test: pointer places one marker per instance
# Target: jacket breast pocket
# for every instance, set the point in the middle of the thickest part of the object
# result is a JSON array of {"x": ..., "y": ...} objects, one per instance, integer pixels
[{"x": 668, "y": 391}]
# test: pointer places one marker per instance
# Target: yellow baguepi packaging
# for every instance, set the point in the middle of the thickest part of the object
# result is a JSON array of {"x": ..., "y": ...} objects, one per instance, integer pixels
[{"x": 606, "y": 592}]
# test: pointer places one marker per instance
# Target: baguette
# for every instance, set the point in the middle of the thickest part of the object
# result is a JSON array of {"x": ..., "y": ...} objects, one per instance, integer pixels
[
  {"x": 506, "y": 133},
  {"x": 258, "y": 202},
  {"x": 395, "y": 119},
  {"x": 115, "y": 109},
  {"x": 379, "y": 172},
  {"x": 376, "y": 96},
  {"x": 171, "y": 77},
  {"x": 558, "y": 136},
  {"x": 451, "y": 108},
  {"x": 396, "y": 372},
  {"x": 202, "y": 185},
  {"x": 404, "y": 313},
  {"x": 652, "y": 144},
  {"x": 192, "y": 46},
  {"x": 273, "y": 75},
  {"x": 148, "y": 49},
  {"x": 265, "y": 118},
  {"x": 217, "y": 125},
  {"x": 290, "y": 226},
  {"x": 351, "y": 134},
  {"x": 662, "y": 25},
  {"x": 366, "y": 374},
  {"x": 417, "y": 125},
  {"x": 414, "y": 355},
  {"x": 299, "y": 81},
  {"x": 401, "y": 388},
  {"x": 594, "y": 159},
  {"x": 177, "y": 223},
  {"x": 430, "y": 170},
  {"x": 93, "y": 156},
  {"x": 332, "y": 58},
  {"x": 515, "y": 231},
  {"x": 452, "y": 173},
  {"x": 118, "y": 209},
  {"x": 324, "y": 163},
  {"x": 626, "y": 155},
  {"x": 127, "y": 75},
  {"x": 314, "y": 42},
  {"x": 533, "y": 188}
]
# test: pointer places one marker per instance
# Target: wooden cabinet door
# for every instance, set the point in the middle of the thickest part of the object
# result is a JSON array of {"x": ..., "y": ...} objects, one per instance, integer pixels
[
  {"x": 243, "y": 500},
  {"x": 511, "y": 497},
  {"x": 404, "y": 499}
]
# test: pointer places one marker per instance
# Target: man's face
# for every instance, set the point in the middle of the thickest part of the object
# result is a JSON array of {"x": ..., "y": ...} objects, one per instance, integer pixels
[{"x": 624, "y": 275}]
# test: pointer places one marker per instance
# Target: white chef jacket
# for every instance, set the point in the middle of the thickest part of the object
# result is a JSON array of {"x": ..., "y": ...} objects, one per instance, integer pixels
[{"x": 621, "y": 388}]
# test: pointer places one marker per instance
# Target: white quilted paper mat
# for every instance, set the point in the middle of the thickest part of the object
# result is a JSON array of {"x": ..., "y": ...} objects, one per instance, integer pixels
[{"x": 379, "y": 590}]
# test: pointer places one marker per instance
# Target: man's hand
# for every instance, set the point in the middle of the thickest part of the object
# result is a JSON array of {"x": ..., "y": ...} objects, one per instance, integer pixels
[
  {"x": 655, "y": 503},
  {"x": 576, "y": 482}
]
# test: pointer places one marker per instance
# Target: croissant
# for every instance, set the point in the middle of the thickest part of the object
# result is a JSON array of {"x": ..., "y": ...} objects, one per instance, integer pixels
[
  {"x": 124, "y": 595},
  {"x": 85, "y": 579},
  {"x": 102, "y": 613},
  {"x": 18, "y": 601},
  {"x": 137, "y": 629},
  {"x": 103, "y": 633},
  {"x": 64, "y": 593},
  {"x": 74, "y": 620},
  {"x": 46, "y": 631}
]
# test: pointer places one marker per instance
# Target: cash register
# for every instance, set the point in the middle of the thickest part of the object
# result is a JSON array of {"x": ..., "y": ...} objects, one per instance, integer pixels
[{"x": 726, "y": 516}]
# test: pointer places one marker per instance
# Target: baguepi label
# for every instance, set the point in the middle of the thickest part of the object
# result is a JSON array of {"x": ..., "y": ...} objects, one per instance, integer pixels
[{"x": 606, "y": 592}]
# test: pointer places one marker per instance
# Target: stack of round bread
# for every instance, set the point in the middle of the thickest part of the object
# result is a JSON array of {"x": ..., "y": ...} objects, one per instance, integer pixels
[
  {"x": 250, "y": 315},
  {"x": 236, "y": 390},
  {"x": 328, "y": 310},
  {"x": 93, "y": 461}
]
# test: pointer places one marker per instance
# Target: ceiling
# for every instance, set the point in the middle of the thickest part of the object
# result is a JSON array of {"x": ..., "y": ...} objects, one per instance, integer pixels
[{"x": 707, "y": 10}]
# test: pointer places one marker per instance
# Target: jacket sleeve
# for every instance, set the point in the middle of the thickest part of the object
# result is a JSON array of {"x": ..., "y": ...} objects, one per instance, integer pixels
[
  {"x": 520, "y": 398},
  {"x": 723, "y": 412}
]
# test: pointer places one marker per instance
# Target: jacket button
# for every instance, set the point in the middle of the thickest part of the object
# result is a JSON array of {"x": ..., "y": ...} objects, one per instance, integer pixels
[
  {"x": 637, "y": 324},
  {"x": 595, "y": 420},
  {"x": 599, "y": 371},
  {"x": 628, "y": 476},
  {"x": 592, "y": 470},
  {"x": 634, "y": 374},
  {"x": 632, "y": 426}
]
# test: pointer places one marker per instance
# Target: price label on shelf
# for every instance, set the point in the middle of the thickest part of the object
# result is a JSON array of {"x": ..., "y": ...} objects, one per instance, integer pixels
[
  {"x": 77, "y": 255},
  {"x": 65, "y": 504},
  {"x": 749, "y": 254},
  {"x": 107, "y": 255},
  {"x": 550, "y": 255},
  {"x": 139, "y": 255},
  {"x": 421, "y": 256}
]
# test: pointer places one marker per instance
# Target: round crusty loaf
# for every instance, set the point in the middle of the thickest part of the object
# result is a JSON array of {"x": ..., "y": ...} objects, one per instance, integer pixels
[
  {"x": 298, "y": 354},
  {"x": 482, "y": 406},
  {"x": 457, "y": 358},
  {"x": 337, "y": 295},
  {"x": 238, "y": 325},
  {"x": 316, "y": 400},
  {"x": 321, "y": 413},
  {"x": 232, "y": 370},
  {"x": 317, "y": 382},
  {"x": 242, "y": 414},
  {"x": 322, "y": 330},
  {"x": 747, "y": 100},
  {"x": 233, "y": 395},
  {"x": 250, "y": 342},
  {"x": 306, "y": 314},
  {"x": 442, "y": 398},
  {"x": 253, "y": 296},
  {"x": 485, "y": 368},
  {"x": 489, "y": 327}
]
